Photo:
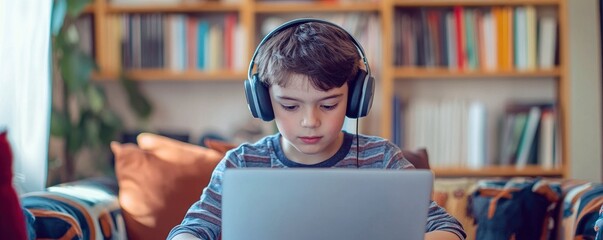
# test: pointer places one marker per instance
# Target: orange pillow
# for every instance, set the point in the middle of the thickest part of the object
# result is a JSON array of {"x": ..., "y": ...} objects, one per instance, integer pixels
[
  {"x": 158, "y": 181},
  {"x": 220, "y": 146}
]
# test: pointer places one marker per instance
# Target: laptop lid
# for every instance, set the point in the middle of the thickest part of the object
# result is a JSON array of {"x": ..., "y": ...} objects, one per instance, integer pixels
[{"x": 325, "y": 204}]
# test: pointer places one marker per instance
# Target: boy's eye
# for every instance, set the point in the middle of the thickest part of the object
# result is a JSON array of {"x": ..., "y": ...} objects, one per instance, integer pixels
[
  {"x": 289, "y": 107},
  {"x": 329, "y": 107}
]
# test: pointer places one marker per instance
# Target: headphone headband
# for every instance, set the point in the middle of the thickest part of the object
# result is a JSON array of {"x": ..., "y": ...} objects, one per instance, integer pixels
[{"x": 302, "y": 21}]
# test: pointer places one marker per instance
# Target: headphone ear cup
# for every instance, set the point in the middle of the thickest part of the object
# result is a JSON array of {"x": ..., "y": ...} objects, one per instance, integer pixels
[
  {"x": 369, "y": 93},
  {"x": 258, "y": 99},
  {"x": 360, "y": 95}
]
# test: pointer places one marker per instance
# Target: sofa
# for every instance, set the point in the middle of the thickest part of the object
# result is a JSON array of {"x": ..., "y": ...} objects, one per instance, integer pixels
[{"x": 158, "y": 178}]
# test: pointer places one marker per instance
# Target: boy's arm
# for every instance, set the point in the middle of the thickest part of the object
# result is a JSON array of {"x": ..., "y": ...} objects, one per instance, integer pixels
[
  {"x": 438, "y": 220},
  {"x": 441, "y": 235},
  {"x": 203, "y": 219},
  {"x": 185, "y": 236}
]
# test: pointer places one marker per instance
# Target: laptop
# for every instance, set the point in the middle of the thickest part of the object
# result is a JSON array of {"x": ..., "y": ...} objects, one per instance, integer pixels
[{"x": 296, "y": 204}]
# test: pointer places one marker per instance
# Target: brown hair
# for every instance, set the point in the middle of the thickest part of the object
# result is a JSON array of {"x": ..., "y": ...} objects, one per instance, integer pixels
[{"x": 322, "y": 52}]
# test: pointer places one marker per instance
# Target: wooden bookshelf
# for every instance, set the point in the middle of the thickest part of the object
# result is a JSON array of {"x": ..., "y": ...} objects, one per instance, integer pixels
[
  {"x": 394, "y": 75},
  {"x": 251, "y": 13}
]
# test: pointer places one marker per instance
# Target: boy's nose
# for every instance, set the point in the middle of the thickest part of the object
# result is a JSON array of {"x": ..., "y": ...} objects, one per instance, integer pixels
[{"x": 310, "y": 119}]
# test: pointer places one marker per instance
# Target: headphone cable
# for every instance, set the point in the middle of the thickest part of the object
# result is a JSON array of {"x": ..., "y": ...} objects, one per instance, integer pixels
[{"x": 357, "y": 145}]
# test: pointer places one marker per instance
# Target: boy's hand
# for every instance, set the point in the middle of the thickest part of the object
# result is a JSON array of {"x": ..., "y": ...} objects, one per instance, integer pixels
[{"x": 598, "y": 224}]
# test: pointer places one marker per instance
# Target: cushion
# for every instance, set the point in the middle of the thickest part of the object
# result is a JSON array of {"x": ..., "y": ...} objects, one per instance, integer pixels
[
  {"x": 12, "y": 220},
  {"x": 419, "y": 158},
  {"x": 218, "y": 145},
  {"x": 159, "y": 179},
  {"x": 77, "y": 210}
]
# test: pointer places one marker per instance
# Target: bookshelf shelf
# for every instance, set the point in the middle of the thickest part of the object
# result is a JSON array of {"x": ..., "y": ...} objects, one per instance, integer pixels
[
  {"x": 402, "y": 73},
  {"x": 180, "y": 8},
  {"x": 444, "y": 3},
  {"x": 163, "y": 75},
  {"x": 498, "y": 171},
  {"x": 315, "y": 7}
]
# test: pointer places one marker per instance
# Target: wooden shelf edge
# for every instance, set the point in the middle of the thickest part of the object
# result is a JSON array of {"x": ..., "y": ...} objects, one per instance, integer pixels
[
  {"x": 185, "y": 7},
  {"x": 167, "y": 75},
  {"x": 440, "y": 3},
  {"x": 498, "y": 171},
  {"x": 414, "y": 72},
  {"x": 315, "y": 7}
]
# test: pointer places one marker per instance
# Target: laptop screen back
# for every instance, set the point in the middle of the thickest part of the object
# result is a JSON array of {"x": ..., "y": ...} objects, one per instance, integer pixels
[{"x": 325, "y": 204}]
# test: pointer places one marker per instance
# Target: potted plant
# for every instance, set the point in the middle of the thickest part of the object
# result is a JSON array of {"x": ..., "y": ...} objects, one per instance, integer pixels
[{"x": 80, "y": 116}]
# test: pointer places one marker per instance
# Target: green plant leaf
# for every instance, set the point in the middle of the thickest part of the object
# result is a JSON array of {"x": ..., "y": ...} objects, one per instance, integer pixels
[
  {"x": 96, "y": 98},
  {"x": 92, "y": 129},
  {"x": 71, "y": 36},
  {"x": 60, "y": 43},
  {"x": 110, "y": 119},
  {"x": 75, "y": 7},
  {"x": 76, "y": 67},
  {"x": 59, "y": 9},
  {"x": 110, "y": 127},
  {"x": 138, "y": 102},
  {"x": 74, "y": 141},
  {"x": 59, "y": 124}
]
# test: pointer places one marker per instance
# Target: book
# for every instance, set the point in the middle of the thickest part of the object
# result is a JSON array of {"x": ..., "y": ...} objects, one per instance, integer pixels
[
  {"x": 531, "y": 37},
  {"x": 547, "y": 37},
  {"x": 202, "y": 56},
  {"x": 476, "y": 134},
  {"x": 520, "y": 39},
  {"x": 451, "y": 41},
  {"x": 547, "y": 139},
  {"x": 506, "y": 141},
  {"x": 397, "y": 122},
  {"x": 461, "y": 47},
  {"x": 527, "y": 132},
  {"x": 191, "y": 42},
  {"x": 525, "y": 152},
  {"x": 490, "y": 44}
]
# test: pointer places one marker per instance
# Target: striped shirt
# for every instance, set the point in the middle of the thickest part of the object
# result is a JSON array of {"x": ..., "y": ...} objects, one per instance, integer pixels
[{"x": 203, "y": 219}]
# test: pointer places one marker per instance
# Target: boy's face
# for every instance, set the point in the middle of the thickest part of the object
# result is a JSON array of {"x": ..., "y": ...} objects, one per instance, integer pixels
[{"x": 309, "y": 119}]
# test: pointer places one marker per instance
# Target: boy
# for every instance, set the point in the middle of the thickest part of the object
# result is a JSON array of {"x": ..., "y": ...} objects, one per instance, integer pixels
[{"x": 306, "y": 68}]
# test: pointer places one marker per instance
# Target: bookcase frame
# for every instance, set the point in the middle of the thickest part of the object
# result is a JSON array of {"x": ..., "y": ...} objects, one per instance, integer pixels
[{"x": 248, "y": 10}]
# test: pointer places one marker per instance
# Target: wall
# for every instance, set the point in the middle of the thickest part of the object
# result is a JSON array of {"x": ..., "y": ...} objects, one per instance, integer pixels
[
  {"x": 195, "y": 108},
  {"x": 585, "y": 76}
]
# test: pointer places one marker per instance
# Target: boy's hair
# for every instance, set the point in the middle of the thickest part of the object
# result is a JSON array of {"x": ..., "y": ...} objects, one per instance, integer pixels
[{"x": 324, "y": 53}]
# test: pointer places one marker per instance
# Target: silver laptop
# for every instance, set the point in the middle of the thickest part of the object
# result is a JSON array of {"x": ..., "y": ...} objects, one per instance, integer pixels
[{"x": 292, "y": 204}]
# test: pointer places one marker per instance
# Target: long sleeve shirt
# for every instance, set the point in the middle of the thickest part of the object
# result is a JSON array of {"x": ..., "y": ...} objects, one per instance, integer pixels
[{"x": 203, "y": 219}]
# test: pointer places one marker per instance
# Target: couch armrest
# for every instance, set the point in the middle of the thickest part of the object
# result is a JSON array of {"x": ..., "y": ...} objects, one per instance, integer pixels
[{"x": 85, "y": 209}]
